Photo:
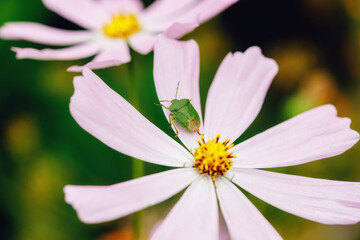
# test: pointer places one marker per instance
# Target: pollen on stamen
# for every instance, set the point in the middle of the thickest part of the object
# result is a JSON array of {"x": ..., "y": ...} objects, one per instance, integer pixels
[
  {"x": 122, "y": 26},
  {"x": 213, "y": 157}
]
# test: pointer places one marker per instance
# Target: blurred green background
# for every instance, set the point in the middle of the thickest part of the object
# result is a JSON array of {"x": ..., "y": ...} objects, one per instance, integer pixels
[{"x": 315, "y": 43}]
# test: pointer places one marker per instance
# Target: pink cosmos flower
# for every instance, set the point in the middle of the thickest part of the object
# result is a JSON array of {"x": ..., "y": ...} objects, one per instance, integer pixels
[
  {"x": 210, "y": 167},
  {"x": 111, "y": 25}
]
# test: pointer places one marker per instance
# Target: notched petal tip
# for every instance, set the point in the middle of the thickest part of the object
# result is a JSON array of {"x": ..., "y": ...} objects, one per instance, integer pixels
[
  {"x": 324, "y": 201},
  {"x": 356, "y": 135},
  {"x": 23, "y": 53},
  {"x": 345, "y": 121},
  {"x": 253, "y": 50},
  {"x": 96, "y": 204},
  {"x": 312, "y": 135},
  {"x": 68, "y": 194},
  {"x": 15, "y": 49},
  {"x": 74, "y": 198},
  {"x": 3, "y": 31},
  {"x": 274, "y": 64},
  {"x": 256, "y": 50},
  {"x": 330, "y": 107}
]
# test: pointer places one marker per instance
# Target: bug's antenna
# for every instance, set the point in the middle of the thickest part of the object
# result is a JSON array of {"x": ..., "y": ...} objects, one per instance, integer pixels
[{"x": 177, "y": 89}]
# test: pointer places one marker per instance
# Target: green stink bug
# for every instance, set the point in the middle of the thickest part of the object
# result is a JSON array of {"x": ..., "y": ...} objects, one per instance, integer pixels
[{"x": 184, "y": 113}]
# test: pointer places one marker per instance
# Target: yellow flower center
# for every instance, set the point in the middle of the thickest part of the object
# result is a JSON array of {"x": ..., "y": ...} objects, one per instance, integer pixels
[
  {"x": 213, "y": 157},
  {"x": 122, "y": 26}
]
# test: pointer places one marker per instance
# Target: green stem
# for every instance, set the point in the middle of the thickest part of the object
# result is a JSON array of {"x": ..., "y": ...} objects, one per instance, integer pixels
[{"x": 138, "y": 167}]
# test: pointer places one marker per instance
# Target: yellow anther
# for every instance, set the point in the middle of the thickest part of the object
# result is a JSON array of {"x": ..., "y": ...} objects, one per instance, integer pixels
[
  {"x": 122, "y": 26},
  {"x": 213, "y": 157}
]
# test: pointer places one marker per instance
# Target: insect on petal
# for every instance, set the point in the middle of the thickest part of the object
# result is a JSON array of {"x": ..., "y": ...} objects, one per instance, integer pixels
[
  {"x": 98, "y": 109},
  {"x": 183, "y": 69}
]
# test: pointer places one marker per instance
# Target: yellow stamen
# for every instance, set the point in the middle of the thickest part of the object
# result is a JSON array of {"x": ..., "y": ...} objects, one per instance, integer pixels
[
  {"x": 213, "y": 157},
  {"x": 122, "y": 26}
]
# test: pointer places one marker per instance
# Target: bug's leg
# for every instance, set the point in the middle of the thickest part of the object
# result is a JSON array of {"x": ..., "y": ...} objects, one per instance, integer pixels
[
  {"x": 171, "y": 120},
  {"x": 162, "y": 105},
  {"x": 199, "y": 133},
  {"x": 165, "y": 101},
  {"x": 177, "y": 132},
  {"x": 177, "y": 89}
]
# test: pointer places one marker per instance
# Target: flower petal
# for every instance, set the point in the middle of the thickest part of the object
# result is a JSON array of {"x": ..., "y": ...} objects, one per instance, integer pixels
[
  {"x": 111, "y": 119},
  {"x": 223, "y": 229},
  {"x": 96, "y": 204},
  {"x": 79, "y": 51},
  {"x": 178, "y": 30},
  {"x": 112, "y": 55},
  {"x": 195, "y": 216},
  {"x": 115, "y": 7},
  {"x": 86, "y": 13},
  {"x": 162, "y": 16},
  {"x": 167, "y": 9},
  {"x": 178, "y": 62},
  {"x": 309, "y": 136},
  {"x": 238, "y": 92},
  {"x": 244, "y": 221},
  {"x": 319, "y": 200},
  {"x": 142, "y": 42},
  {"x": 39, "y": 33},
  {"x": 203, "y": 11}
]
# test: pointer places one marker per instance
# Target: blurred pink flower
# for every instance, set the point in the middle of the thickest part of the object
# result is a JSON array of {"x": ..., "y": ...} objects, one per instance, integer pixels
[
  {"x": 207, "y": 167},
  {"x": 111, "y": 25}
]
